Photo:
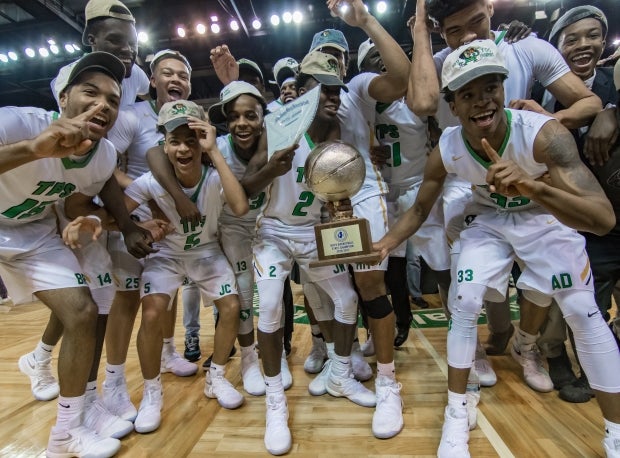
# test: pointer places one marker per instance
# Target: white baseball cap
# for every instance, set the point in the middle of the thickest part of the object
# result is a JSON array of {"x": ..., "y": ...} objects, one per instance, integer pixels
[
  {"x": 168, "y": 54},
  {"x": 471, "y": 61},
  {"x": 284, "y": 69},
  {"x": 230, "y": 92},
  {"x": 363, "y": 51}
]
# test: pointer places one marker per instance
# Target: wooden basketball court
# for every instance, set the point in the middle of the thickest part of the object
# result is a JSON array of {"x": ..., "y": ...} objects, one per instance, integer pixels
[{"x": 513, "y": 420}]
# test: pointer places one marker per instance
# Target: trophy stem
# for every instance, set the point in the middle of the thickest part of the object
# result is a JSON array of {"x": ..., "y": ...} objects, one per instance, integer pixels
[{"x": 345, "y": 214}]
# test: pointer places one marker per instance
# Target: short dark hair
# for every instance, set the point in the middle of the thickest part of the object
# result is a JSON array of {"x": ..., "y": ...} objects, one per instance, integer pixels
[
  {"x": 439, "y": 10},
  {"x": 301, "y": 80},
  {"x": 448, "y": 95}
]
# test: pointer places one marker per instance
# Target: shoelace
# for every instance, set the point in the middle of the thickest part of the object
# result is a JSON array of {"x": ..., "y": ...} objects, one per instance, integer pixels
[{"x": 385, "y": 391}]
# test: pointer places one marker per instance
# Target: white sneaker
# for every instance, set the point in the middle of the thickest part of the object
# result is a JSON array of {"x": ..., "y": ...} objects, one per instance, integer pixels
[
  {"x": 253, "y": 381},
  {"x": 534, "y": 373},
  {"x": 218, "y": 387},
  {"x": 42, "y": 383},
  {"x": 486, "y": 374},
  {"x": 361, "y": 369},
  {"x": 177, "y": 365},
  {"x": 278, "y": 438},
  {"x": 318, "y": 385},
  {"x": 316, "y": 358},
  {"x": 287, "y": 377},
  {"x": 454, "y": 435},
  {"x": 387, "y": 420},
  {"x": 100, "y": 420},
  {"x": 149, "y": 413},
  {"x": 116, "y": 400},
  {"x": 611, "y": 446},
  {"x": 346, "y": 386},
  {"x": 80, "y": 441},
  {"x": 368, "y": 347}
]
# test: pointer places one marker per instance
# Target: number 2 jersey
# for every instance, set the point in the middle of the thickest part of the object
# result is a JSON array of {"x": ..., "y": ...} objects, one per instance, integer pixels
[{"x": 459, "y": 158}]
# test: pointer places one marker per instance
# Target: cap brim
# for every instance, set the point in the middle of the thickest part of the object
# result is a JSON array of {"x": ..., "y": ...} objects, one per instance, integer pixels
[
  {"x": 216, "y": 113},
  {"x": 253, "y": 69},
  {"x": 330, "y": 80},
  {"x": 473, "y": 74},
  {"x": 329, "y": 45},
  {"x": 98, "y": 61},
  {"x": 283, "y": 74},
  {"x": 174, "y": 123}
]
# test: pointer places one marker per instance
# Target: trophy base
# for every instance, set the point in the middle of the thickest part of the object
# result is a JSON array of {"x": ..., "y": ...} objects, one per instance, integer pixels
[
  {"x": 345, "y": 241},
  {"x": 371, "y": 258}
]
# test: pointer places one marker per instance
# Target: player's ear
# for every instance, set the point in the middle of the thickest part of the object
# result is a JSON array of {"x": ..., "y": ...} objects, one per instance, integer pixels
[
  {"x": 301, "y": 91},
  {"x": 62, "y": 99},
  {"x": 452, "y": 108}
]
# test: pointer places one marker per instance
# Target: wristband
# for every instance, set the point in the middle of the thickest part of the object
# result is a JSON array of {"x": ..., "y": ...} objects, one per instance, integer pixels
[{"x": 94, "y": 217}]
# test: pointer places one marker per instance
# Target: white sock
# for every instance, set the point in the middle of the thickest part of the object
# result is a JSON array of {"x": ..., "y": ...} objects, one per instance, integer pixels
[
  {"x": 612, "y": 429},
  {"x": 69, "y": 412},
  {"x": 330, "y": 349},
  {"x": 273, "y": 384},
  {"x": 457, "y": 401},
  {"x": 245, "y": 351},
  {"x": 387, "y": 370},
  {"x": 522, "y": 338},
  {"x": 341, "y": 365},
  {"x": 217, "y": 368},
  {"x": 91, "y": 392},
  {"x": 168, "y": 347},
  {"x": 153, "y": 382},
  {"x": 115, "y": 373},
  {"x": 43, "y": 352}
]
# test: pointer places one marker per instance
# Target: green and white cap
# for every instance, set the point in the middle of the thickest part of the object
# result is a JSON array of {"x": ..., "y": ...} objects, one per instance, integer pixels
[
  {"x": 176, "y": 113},
  {"x": 229, "y": 93},
  {"x": 471, "y": 61},
  {"x": 323, "y": 68}
]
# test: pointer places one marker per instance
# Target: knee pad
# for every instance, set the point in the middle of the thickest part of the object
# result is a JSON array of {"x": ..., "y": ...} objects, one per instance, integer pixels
[
  {"x": 378, "y": 308},
  {"x": 344, "y": 298},
  {"x": 104, "y": 297},
  {"x": 463, "y": 330},
  {"x": 269, "y": 305},
  {"x": 322, "y": 306}
]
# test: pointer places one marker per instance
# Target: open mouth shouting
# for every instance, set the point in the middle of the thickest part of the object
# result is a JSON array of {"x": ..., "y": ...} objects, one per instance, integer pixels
[
  {"x": 582, "y": 61},
  {"x": 484, "y": 119}
]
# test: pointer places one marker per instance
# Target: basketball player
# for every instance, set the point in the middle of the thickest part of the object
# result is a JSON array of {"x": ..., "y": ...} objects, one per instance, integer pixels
[
  {"x": 284, "y": 73},
  {"x": 502, "y": 152},
  {"x": 285, "y": 233},
  {"x": 191, "y": 251},
  {"x": 45, "y": 157}
]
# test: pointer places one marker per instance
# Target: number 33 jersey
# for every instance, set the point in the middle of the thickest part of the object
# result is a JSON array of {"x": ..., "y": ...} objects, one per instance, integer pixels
[{"x": 459, "y": 158}]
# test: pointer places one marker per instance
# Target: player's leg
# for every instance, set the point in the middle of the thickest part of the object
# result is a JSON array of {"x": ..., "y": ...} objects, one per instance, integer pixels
[
  {"x": 191, "y": 321},
  {"x": 171, "y": 361}
]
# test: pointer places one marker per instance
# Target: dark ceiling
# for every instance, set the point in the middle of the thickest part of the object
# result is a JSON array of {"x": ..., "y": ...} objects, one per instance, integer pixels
[{"x": 33, "y": 22}]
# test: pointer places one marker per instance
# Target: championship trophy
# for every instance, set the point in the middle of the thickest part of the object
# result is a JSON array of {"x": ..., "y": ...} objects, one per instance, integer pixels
[{"x": 335, "y": 171}]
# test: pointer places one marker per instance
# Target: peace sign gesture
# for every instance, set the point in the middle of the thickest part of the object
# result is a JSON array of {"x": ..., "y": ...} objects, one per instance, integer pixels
[
  {"x": 505, "y": 176},
  {"x": 66, "y": 136}
]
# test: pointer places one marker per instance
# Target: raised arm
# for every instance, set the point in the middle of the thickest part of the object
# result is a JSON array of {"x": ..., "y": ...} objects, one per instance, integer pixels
[
  {"x": 583, "y": 105},
  {"x": 261, "y": 172},
  {"x": 162, "y": 170},
  {"x": 423, "y": 83},
  {"x": 410, "y": 221},
  {"x": 391, "y": 85}
]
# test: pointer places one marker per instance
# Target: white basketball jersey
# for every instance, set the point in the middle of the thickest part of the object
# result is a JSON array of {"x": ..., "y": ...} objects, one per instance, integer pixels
[
  {"x": 288, "y": 201},
  {"x": 459, "y": 158},
  {"x": 135, "y": 132},
  {"x": 28, "y": 192},
  {"x": 407, "y": 136},
  {"x": 357, "y": 121},
  {"x": 187, "y": 239},
  {"x": 238, "y": 167}
]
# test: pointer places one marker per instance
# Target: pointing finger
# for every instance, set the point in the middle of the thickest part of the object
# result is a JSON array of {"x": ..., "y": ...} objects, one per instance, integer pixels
[
  {"x": 88, "y": 114},
  {"x": 491, "y": 153}
]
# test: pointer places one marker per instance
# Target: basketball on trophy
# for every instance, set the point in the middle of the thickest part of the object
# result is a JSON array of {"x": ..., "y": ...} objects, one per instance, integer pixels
[{"x": 334, "y": 170}]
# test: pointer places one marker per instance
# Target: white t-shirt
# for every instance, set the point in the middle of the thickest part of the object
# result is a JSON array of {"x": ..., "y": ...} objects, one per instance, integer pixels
[
  {"x": 28, "y": 191},
  {"x": 135, "y": 132}
]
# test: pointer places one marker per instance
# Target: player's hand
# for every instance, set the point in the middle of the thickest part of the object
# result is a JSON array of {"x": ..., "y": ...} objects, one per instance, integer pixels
[
  {"x": 506, "y": 177},
  {"x": 380, "y": 154},
  {"x": 139, "y": 242},
  {"x": 420, "y": 12},
  {"x": 515, "y": 31},
  {"x": 188, "y": 211},
  {"x": 71, "y": 233},
  {"x": 205, "y": 131},
  {"x": 601, "y": 136},
  {"x": 224, "y": 64},
  {"x": 159, "y": 228},
  {"x": 529, "y": 105},
  {"x": 282, "y": 160},
  {"x": 66, "y": 136},
  {"x": 353, "y": 12},
  {"x": 383, "y": 247}
]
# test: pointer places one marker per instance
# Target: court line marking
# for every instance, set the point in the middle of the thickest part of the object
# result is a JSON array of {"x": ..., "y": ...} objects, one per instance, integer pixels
[{"x": 494, "y": 438}]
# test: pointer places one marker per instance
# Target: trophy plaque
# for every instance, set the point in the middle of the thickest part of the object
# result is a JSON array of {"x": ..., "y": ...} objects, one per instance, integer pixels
[{"x": 335, "y": 171}]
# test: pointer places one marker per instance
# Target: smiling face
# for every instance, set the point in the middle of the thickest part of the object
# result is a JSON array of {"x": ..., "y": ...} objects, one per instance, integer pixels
[
  {"x": 479, "y": 105},
  {"x": 116, "y": 37},
  {"x": 171, "y": 81},
  {"x": 184, "y": 152},
  {"x": 288, "y": 92},
  {"x": 244, "y": 118},
  {"x": 89, "y": 89},
  {"x": 581, "y": 44},
  {"x": 373, "y": 62},
  {"x": 469, "y": 24},
  {"x": 329, "y": 101}
]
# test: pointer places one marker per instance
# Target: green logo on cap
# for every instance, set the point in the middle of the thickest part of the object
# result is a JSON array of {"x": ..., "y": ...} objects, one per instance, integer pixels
[
  {"x": 471, "y": 55},
  {"x": 179, "y": 108}
]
